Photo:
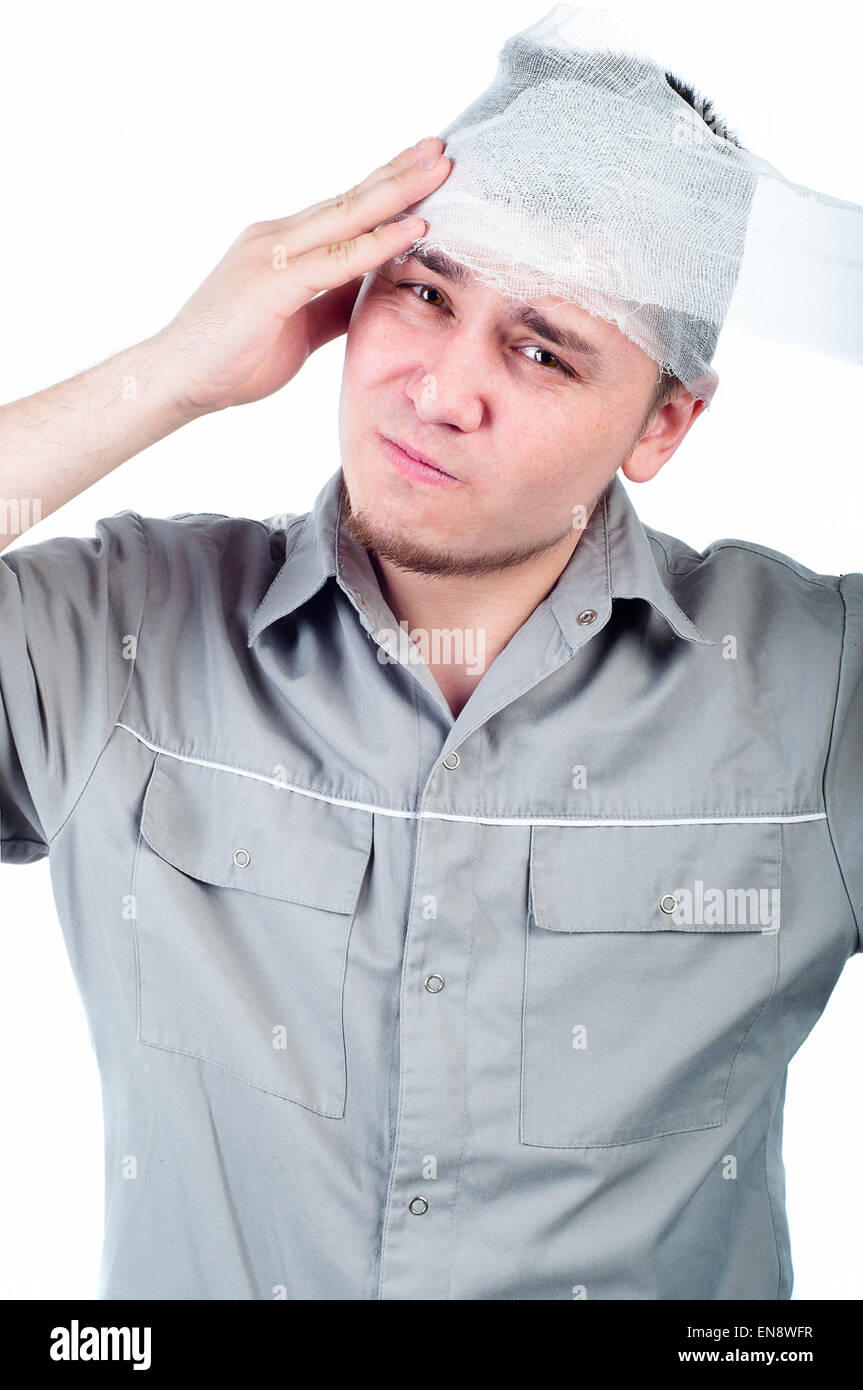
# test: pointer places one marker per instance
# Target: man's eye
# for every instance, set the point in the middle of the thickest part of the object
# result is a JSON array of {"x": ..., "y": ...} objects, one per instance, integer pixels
[
  {"x": 431, "y": 288},
  {"x": 556, "y": 363}
]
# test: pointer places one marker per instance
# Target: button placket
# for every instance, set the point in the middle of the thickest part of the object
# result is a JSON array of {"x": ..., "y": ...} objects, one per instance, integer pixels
[
  {"x": 435, "y": 983},
  {"x": 431, "y": 1105}
]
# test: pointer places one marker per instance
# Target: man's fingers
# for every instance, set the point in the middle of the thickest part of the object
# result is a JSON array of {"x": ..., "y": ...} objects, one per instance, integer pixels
[
  {"x": 334, "y": 264},
  {"x": 352, "y": 213},
  {"x": 400, "y": 162},
  {"x": 341, "y": 239},
  {"x": 404, "y": 160},
  {"x": 362, "y": 208}
]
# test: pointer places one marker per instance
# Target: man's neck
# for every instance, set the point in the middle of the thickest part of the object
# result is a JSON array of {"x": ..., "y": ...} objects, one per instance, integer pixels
[{"x": 483, "y": 612}]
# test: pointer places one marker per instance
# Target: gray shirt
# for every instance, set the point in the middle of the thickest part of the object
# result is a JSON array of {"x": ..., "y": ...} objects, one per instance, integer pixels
[{"x": 389, "y": 1004}]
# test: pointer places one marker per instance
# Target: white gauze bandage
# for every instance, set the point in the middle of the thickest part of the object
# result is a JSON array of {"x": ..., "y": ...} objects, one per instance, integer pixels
[{"x": 583, "y": 174}]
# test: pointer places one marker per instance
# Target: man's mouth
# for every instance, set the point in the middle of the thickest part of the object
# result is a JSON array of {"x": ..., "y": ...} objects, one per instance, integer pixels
[{"x": 413, "y": 462}]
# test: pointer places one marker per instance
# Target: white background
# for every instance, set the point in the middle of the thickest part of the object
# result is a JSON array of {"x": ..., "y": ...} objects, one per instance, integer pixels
[{"x": 137, "y": 141}]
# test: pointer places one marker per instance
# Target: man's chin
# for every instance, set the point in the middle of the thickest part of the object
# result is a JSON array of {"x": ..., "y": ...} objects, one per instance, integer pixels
[{"x": 393, "y": 543}]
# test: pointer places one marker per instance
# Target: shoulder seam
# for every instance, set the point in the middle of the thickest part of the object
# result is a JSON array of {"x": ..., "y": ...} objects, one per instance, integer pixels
[
  {"x": 697, "y": 558},
  {"x": 132, "y": 667},
  {"x": 827, "y": 759},
  {"x": 789, "y": 564}
]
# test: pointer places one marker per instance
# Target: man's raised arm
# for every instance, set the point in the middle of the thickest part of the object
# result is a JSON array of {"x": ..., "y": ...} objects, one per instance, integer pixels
[{"x": 282, "y": 290}]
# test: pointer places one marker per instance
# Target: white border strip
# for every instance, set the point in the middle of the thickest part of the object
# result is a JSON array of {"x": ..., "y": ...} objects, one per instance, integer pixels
[{"x": 482, "y": 820}]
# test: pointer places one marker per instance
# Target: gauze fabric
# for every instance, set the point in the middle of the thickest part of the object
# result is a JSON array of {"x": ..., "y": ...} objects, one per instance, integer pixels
[{"x": 581, "y": 173}]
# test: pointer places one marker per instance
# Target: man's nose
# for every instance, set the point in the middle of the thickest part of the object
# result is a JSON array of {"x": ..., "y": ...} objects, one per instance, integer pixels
[{"x": 445, "y": 391}]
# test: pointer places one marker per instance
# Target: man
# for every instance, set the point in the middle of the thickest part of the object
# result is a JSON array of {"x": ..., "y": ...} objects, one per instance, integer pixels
[{"x": 420, "y": 859}]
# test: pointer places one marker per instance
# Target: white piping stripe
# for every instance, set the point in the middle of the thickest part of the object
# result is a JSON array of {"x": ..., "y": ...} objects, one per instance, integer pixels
[
  {"x": 272, "y": 781},
  {"x": 595, "y": 820},
  {"x": 473, "y": 820}
]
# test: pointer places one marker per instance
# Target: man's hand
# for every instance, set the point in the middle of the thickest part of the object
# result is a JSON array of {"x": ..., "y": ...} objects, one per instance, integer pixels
[
  {"x": 283, "y": 289},
  {"x": 256, "y": 318}
]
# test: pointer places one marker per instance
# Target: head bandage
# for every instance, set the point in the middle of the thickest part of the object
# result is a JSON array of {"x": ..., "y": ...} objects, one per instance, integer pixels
[{"x": 583, "y": 174}]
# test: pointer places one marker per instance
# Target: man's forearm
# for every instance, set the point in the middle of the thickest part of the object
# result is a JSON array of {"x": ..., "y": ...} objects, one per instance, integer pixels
[{"x": 58, "y": 442}]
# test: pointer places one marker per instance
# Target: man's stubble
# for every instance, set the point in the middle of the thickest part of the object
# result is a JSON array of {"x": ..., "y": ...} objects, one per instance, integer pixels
[{"x": 407, "y": 555}]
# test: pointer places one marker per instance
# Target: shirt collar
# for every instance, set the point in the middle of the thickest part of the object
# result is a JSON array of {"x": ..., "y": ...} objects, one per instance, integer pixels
[
  {"x": 616, "y": 540},
  {"x": 613, "y": 559}
]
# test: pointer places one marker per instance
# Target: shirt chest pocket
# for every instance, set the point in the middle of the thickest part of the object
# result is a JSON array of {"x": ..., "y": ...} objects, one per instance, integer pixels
[
  {"x": 245, "y": 894},
  {"x": 650, "y": 953}
]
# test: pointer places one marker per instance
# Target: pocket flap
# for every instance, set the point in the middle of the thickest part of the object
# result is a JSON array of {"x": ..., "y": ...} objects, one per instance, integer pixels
[
  {"x": 698, "y": 877},
  {"x": 237, "y": 831}
]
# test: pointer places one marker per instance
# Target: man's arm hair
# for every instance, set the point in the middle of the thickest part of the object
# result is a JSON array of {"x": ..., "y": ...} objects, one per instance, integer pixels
[{"x": 57, "y": 443}]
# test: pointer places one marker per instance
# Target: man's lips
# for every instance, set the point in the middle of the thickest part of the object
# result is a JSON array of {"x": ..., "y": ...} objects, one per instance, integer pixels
[{"x": 417, "y": 454}]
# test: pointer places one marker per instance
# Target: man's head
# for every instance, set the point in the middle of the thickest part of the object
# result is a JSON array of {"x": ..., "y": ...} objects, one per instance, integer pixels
[{"x": 532, "y": 408}]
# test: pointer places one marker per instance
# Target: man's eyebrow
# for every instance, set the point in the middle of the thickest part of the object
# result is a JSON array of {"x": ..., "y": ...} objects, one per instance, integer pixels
[
  {"x": 525, "y": 314},
  {"x": 442, "y": 265},
  {"x": 566, "y": 338}
]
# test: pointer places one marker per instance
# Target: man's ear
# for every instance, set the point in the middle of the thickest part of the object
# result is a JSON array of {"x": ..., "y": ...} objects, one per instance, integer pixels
[{"x": 662, "y": 434}]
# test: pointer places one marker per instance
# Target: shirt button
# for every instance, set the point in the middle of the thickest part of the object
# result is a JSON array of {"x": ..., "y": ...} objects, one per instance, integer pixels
[
  {"x": 434, "y": 984},
  {"x": 451, "y": 760},
  {"x": 418, "y": 1206},
  {"x": 587, "y": 615},
  {"x": 242, "y": 858},
  {"x": 668, "y": 903}
]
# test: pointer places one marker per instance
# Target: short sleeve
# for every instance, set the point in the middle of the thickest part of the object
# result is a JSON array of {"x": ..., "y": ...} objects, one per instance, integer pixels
[
  {"x": 70, "y": 614},
  {"x": 843, "y": 773}
]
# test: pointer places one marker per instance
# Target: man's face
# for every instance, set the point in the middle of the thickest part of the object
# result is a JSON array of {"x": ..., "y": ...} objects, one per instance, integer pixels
[{"x": 532, "y": 415}]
